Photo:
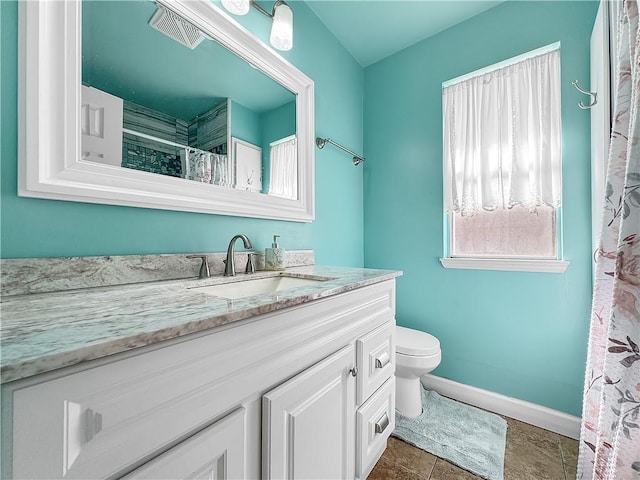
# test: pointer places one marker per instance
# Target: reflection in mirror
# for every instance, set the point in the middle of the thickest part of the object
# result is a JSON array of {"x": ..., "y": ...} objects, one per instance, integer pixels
[{"x": 159, "y": 96}]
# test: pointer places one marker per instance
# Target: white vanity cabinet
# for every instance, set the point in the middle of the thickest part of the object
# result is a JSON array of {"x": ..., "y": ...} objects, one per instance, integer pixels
[
  {"x": 221, "y": 403},
  {"x": 309, "y": 423}
]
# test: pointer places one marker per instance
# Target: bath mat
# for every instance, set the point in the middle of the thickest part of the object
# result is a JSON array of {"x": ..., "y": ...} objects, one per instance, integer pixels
[{"x": 466, "y": 436}]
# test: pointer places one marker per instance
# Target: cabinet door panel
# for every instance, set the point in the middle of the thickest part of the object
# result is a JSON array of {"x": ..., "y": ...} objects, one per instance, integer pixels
[
  {"x": 309, "y": 422},
  {"x": 215, "y": 453}
]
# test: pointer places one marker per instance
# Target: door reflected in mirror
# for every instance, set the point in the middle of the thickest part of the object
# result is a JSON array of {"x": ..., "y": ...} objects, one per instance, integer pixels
[{"x": 159, "y": 96}]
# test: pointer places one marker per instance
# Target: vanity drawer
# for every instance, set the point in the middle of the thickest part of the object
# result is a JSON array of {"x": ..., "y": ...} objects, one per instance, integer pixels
[
  {"x": 376, "y": 360},
  {"x": 375, "y": 421}
]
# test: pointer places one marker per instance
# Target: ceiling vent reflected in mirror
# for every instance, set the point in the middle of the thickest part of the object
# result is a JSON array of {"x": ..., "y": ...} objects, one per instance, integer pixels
[{"x": 176, "y": 28}]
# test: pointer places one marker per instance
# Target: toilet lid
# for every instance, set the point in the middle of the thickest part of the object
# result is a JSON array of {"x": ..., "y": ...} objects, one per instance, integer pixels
[{"x": 415, "y": 342}]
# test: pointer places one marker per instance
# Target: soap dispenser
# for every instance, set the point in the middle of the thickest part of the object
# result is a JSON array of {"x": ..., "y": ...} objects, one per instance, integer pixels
[{"x": 274, "y": 256}]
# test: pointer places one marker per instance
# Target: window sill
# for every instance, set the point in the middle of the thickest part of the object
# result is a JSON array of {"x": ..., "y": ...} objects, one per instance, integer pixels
[{"x": 506, "y": 264}]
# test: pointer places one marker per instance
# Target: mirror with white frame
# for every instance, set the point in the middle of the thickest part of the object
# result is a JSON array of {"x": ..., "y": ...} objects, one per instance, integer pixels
[{"x": 57, "y": 162}]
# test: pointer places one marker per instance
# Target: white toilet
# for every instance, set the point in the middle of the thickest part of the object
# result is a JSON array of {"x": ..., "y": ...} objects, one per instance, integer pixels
[{"x": 417, "y": 353}]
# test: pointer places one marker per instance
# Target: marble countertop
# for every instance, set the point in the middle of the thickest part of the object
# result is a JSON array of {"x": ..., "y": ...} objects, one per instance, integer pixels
[{"x": 45, "y": 332}]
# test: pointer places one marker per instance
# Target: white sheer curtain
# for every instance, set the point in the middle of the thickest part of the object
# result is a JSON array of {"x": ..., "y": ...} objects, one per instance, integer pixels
[
  {"x": 283, "y": 172},
  {"x": 502, "y": 138}
]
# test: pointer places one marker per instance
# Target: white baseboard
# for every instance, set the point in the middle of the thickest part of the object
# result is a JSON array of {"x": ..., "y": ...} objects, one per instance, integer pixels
[{"x": 543, "y": 417}]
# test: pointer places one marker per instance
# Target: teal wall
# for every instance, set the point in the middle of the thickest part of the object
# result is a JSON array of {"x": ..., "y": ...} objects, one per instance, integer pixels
[
  {"x": 523, "y": 335},
  {"x": 265, "y": 127},
  {"x": 246, "y": 124},
  {"x": 49, "y": 228},
  {"x": 278, "y": 123}
]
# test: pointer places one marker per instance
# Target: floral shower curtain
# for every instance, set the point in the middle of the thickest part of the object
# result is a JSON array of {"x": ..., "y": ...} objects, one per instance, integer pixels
[
  {"x": 198, "y": 165},
  {"x": 610, "y": 433},
  {"x": 207, "y": 167}
]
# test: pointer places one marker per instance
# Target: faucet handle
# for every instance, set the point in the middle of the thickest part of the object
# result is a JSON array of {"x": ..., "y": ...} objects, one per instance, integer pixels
[
  {"x": 250, "y": 268},
  {"x": 204, "y": 267}
]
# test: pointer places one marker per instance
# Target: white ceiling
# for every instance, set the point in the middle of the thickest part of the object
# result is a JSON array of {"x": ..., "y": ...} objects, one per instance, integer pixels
[{"x": 374, "y": 29}]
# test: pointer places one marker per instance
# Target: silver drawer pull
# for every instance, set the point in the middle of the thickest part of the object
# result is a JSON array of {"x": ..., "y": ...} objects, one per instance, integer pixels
[
  {"x": 383, "y": 360},
  {"x": 92, "y": 424},
  {"x": 383, "y": 423}
]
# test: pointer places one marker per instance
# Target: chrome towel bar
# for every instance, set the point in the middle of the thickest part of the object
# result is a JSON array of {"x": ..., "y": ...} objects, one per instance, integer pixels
[{"x": 321, "y": 142}]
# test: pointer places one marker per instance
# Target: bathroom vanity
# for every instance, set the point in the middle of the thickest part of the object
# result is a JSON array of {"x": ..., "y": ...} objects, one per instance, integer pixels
[{"x": 163, "y": 380}]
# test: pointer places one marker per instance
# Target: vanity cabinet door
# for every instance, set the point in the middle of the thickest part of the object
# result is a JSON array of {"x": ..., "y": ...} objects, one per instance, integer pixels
[
  {"x": 309, "y": 422},
  {"x": 215, "y": 453}
]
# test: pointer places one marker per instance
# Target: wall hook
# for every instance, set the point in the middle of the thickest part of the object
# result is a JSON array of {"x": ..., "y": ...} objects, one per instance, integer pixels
[{"x": 593, "y": 95}]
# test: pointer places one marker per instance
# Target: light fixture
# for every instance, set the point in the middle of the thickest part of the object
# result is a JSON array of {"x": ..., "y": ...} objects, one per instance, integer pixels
[
  {"x": 282, "y": 27},
  {"x": 237, "y": 7}
]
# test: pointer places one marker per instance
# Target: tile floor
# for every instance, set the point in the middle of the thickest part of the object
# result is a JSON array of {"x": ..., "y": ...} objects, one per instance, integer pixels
[{"x": 531, "y": 454}]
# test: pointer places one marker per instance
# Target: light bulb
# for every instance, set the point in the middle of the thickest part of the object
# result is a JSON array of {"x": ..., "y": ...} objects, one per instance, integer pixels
[
  {"x": 237, "y": 7},
  {"x": 282, "y": 28}
]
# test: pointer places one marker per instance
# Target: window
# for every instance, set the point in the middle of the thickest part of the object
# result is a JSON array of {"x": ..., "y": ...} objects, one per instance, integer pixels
[{"x": 502, "y": 165}]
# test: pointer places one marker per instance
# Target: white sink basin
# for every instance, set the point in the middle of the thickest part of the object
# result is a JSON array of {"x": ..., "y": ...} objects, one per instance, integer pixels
[{"x": 258, "y": 286}]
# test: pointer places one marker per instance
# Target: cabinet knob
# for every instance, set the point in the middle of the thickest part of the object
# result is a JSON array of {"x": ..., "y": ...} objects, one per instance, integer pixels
[
  {"x": 354, "y": 371},
  {"x": 382, "y": 424},
  {"x": 383, "y": 360},
  {"x": 92, "y": 424}
]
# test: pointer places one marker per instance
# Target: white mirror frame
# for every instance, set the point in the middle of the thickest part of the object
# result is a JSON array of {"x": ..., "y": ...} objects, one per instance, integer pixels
[{"x": 49, "y": 158}]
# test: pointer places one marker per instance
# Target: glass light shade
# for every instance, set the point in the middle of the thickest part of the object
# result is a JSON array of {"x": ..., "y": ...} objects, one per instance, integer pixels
[
  {"x": 237, "y": 7},
  {"x": 282, "y": 28}
]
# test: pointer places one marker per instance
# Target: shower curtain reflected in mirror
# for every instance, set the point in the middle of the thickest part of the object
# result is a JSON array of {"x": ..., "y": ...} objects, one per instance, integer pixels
[{"x": 208, "y": 167}]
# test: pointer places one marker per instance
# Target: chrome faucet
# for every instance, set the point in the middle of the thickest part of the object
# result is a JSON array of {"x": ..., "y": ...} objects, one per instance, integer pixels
[{"x": 229, "y": 264}]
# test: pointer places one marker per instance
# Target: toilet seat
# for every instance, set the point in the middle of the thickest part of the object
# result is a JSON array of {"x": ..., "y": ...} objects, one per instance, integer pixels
[{"x": 415, "y": 343}]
